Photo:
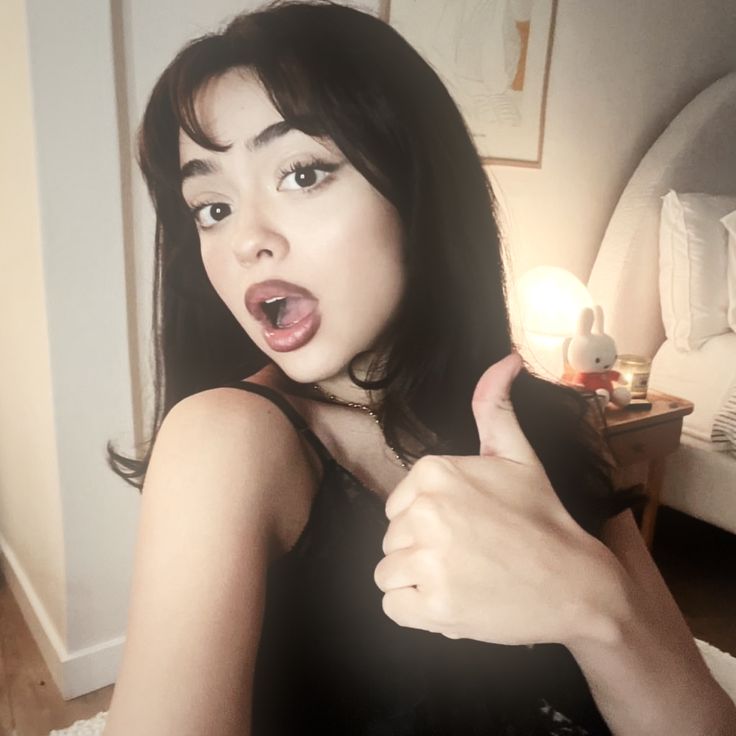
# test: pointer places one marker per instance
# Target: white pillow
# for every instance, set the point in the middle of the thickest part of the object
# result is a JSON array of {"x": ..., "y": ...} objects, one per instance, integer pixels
[
  {"x": 693, "y": 260},
  {"x": 730, "y": 223}
]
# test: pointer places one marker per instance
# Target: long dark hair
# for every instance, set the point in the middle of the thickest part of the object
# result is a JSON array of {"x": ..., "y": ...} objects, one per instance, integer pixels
[{"x": 334, "y": 71}]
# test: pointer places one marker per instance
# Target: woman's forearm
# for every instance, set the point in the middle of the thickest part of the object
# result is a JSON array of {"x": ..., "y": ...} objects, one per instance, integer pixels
[{"x": 643, "y": 680}]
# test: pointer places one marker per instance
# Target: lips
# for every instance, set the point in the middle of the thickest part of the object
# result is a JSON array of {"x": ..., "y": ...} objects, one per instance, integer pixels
[{"x": 288, "y": 313}]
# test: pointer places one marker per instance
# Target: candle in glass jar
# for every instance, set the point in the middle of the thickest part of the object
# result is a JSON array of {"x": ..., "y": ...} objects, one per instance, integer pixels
[{"x": 634, "y": 370}]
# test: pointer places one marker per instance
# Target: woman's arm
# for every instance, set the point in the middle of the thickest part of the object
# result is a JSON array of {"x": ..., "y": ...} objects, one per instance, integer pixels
[
  {"x": 209, "y": 519},
  {"x": 646, "y": 673}
]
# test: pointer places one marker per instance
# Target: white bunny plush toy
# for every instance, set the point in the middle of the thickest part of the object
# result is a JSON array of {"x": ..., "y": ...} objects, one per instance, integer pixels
[{"x": 592, "y": 353}]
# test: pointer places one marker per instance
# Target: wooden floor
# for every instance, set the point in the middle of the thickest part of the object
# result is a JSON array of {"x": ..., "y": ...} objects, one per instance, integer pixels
[
  {"x": 30, "y": 702},
  {"x": 697, "y": 560}
]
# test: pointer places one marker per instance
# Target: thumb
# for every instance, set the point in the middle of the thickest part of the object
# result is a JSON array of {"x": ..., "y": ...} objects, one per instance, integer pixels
[{"x": 498, "y": 427}]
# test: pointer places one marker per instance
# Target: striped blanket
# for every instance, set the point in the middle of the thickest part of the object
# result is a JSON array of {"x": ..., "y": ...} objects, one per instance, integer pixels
[{"x": 723, "y": 433}]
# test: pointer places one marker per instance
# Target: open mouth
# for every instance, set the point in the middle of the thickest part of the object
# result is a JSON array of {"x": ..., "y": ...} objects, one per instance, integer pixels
[
  {"x": 285, "y": 311},
  {"x": 288, "y": 313}
]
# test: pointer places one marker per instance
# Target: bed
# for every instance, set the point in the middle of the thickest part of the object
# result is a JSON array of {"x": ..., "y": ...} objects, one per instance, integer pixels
[{"x": 695, "y": 154}]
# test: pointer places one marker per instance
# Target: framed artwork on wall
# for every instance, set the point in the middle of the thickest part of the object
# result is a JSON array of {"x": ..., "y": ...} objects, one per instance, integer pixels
[{"x": 494, "y": 56}]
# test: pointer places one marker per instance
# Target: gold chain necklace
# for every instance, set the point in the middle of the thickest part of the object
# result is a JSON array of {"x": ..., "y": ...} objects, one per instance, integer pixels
[{"x": 364, "y": 408}]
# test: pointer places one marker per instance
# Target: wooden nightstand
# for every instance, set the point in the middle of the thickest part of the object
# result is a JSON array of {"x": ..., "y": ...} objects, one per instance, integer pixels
[{"x": 647, "y": 437}]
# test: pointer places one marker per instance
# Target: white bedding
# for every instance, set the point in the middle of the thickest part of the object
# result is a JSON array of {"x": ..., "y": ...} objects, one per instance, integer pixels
[
  {"x": 707, "y": 377},
  {"x": 702, "y": 483}
]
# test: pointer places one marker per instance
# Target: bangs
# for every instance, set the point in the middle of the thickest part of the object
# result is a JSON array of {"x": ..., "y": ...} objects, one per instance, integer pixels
[
  {"x": 197, "y": 65},
  {"x": 283, "y": 79}
]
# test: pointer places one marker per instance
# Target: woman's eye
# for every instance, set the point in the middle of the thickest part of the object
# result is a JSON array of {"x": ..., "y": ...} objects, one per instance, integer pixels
[
  {"x": 301, "y": 177},
  {"x": 207, "y": 215}
]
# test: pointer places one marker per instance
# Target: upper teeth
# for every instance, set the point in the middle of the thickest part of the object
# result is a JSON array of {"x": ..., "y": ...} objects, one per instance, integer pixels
[{"x": 274, "y": 299}]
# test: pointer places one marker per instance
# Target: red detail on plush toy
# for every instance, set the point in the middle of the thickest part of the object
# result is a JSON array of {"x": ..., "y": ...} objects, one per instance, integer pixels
[{"x": 593, "y": 381}]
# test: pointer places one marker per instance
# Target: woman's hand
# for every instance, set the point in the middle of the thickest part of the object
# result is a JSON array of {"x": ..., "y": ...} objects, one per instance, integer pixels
[{"x": 481, "y": 547}]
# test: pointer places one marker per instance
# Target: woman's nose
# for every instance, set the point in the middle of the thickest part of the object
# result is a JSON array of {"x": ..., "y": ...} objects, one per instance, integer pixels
[{"x": 257, "y": 237}]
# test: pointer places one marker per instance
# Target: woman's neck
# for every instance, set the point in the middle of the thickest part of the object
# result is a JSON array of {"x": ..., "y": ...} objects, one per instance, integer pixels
[
  {"x": 343, "y": 389},
  {"x": 340, "y": 386}
]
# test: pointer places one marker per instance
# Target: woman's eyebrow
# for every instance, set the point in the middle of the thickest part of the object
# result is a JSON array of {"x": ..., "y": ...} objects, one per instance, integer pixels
[
  {"x": 197, "y": 167},
  {"x": 201, "y": 167},
  {"x": 269, "y": 134}
]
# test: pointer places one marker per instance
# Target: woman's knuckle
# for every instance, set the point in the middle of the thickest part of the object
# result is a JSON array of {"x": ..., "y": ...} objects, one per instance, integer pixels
[
  {"x": 434, "y": 468},
  {"x": 392, "y": 607},
  {"x": 378, "y": 576},
  {"x": 425, "y": 506},
  {"x": 389, "y": 542},
  {"x": 388, "y": 608}
]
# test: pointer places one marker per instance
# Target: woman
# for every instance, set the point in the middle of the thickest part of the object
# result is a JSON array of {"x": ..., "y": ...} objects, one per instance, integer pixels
[{"x": 322, "y": 548}]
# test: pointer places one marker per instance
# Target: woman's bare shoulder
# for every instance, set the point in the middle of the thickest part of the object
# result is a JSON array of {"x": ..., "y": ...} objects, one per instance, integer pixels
[{"x": 244, "y": 448}]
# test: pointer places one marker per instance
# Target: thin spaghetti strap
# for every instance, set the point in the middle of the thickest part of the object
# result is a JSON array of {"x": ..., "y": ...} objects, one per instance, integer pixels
[{"x": 291, "y": 414}]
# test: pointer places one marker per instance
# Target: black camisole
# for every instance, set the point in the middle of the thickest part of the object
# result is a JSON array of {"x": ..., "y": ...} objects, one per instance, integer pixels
[{"x": 331, "y": 662}]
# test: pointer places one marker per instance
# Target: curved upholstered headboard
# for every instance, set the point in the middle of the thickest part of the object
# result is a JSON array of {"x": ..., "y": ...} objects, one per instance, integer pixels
[{"x": 696, "y": 153}]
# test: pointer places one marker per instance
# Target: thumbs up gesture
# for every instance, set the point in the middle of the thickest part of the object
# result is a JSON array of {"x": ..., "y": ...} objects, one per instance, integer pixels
[{"x": 481, "y": 547}]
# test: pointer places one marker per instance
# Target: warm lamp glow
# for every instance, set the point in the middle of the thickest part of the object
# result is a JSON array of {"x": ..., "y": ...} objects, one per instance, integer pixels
[{"x": 550, "y": 302}]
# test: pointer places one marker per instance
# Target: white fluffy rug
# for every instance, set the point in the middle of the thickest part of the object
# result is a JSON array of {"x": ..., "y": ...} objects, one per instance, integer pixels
[
  {"x": 91, "y": 727},
  {"x": 721, "y": 664}
]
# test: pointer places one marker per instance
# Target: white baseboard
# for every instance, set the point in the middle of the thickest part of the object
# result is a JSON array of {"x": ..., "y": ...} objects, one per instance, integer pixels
[{"x": 74, "y": 672}]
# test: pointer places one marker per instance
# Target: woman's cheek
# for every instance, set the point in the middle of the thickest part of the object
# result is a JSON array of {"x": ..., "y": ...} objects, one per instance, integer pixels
[{"x": 225, "y": 287}]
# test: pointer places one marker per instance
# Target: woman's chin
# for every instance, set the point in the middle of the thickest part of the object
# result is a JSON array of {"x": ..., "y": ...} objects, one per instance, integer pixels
[{"x": 301, "y": 369}]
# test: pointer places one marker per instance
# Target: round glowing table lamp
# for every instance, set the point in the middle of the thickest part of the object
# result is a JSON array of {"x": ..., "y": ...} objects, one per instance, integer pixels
[{"x": 550, "y": 300}]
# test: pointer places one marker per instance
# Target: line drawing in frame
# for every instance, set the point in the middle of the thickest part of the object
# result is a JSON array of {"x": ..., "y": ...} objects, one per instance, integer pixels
[{"x": 494, "y": 58}]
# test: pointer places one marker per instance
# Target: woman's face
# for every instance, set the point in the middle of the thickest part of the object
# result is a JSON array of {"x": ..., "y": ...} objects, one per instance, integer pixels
[{"x": 301, "y": 248}]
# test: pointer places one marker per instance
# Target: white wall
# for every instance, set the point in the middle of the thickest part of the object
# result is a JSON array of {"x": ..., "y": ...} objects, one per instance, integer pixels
[
  {"x": 30, "y": 505},
  {"x": 68, "y": 524}
]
